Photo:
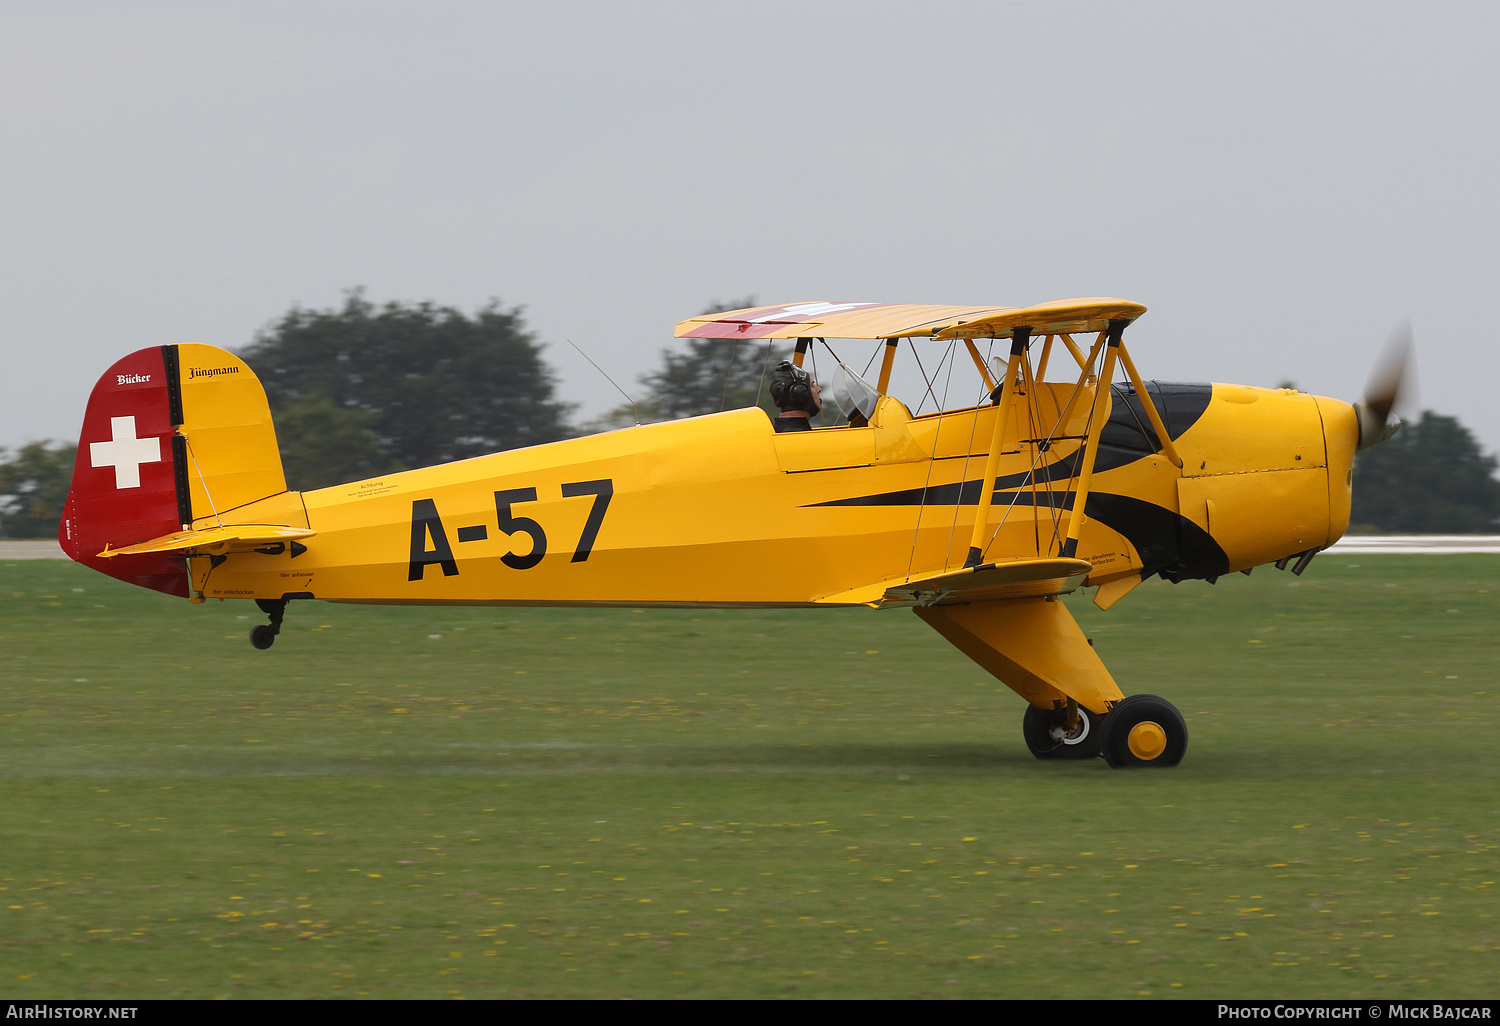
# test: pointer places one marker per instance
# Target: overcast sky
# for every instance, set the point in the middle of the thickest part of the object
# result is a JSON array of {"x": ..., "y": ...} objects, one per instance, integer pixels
[{"x": 1280, "y": 184}]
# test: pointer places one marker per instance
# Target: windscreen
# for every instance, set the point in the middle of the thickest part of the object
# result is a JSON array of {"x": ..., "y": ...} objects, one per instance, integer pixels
[{"x": 853, "y": 392}]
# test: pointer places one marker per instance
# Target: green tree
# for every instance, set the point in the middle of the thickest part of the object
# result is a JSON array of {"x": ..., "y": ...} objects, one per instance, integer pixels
[
  {"x": 1430, "y": 478},
  {"x": 430, "y": 385},
  {"x": 703, "y": 375},
  {"x": 33, "y": 487},
  {"x": 323, "y": 444}
]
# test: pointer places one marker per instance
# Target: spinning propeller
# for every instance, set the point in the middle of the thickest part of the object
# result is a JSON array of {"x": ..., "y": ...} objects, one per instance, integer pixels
[{"x": 1392, "y": 381}]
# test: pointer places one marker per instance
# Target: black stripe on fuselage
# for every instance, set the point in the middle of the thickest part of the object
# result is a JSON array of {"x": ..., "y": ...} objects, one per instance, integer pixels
[
  {"x": 966, "y": 493},
  {"x": 1167, "y": 543},
  {"x": 1125, "y": 439}
]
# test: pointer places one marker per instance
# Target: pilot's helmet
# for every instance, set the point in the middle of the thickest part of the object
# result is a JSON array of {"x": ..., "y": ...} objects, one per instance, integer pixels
[{"x": 791, "y": 388}]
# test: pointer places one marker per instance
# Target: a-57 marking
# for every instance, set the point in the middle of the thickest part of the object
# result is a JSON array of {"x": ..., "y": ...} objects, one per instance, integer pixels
[{"x": 427, "y": 526}]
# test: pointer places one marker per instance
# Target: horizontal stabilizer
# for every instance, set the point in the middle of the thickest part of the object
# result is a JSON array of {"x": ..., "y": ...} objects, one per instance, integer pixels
[
  {"x": 216, "y": 541},
  {"x": 1025, "y": 577}
]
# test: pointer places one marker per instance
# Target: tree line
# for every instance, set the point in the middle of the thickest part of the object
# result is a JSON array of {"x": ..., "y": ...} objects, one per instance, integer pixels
[{"x": 363, "y": 390}]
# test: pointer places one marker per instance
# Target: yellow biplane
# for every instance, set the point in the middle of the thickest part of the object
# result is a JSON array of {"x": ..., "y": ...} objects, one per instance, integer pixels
[{"x": 976, "y": 516}]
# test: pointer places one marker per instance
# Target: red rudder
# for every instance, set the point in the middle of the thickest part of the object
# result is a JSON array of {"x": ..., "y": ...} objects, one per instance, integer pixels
[{"x": 129, "y": 485}]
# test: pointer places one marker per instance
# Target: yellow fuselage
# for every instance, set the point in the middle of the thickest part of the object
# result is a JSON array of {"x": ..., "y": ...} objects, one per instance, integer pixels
[{"x": 720, "y": 510}]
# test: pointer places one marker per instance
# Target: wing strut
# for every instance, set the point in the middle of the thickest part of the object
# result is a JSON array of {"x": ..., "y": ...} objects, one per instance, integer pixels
[
  {"x": 885, "y": 365},
  {"x": 1019, "y": 337},
  {"x": 1041, "y": 365},
  {"x": 1168, "y": 449},
  {"x": 984, "y": 372},
  {"x": 1111, "y": 339},
  {"x": 1112, "y": 336}
]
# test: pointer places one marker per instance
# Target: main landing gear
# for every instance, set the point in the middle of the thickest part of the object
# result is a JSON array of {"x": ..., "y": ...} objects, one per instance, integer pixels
[
  {"x": 1071, "y": 732},
  {"x": 263, "y": 635},
  {"x": 1143, "y": 730},
  {"x": 1138, "y": 730}
]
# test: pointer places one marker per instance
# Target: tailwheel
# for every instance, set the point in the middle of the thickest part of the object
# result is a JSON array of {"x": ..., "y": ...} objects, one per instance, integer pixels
[
  {"x": 1143, "y": 730},
  {"x": 1049, "y": 735},
  {"x": 263, "y": 636}
]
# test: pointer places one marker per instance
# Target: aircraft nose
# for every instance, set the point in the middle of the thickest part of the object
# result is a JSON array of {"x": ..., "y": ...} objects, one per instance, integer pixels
[{"x": 1342, "y": 428}]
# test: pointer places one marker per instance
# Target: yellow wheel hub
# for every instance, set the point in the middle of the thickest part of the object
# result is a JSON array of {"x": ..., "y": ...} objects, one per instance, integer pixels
[{"x": 1147, "y": 740}]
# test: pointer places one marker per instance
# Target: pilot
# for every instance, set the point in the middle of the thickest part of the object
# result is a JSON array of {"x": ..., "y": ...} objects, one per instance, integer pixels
[{"x": 798, "y": 395}]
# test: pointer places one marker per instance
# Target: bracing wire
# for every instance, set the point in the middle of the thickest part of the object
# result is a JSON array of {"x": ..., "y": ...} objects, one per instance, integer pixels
[
  {"x": 927, "y": 482},
  {"x": 202, "y": 480},
  {"x": 634, "y": 408},
  {"x": 949, "y": 355},
  {"x": 770, "y": 347},
  {"x": 813, "y": 352},
  {"x": 923, "y": 371},
  {"x": 1039, "y": 446},
  {"x": 1087, "y": 430},
  {"x": 1054, "y": 510},
  {"x": 968, "y": 454},
  {"x": 835, "y": 356},
  {"x": 963, "y": 474},
  {"x": 734, "y": 350},
  {"x": 1034, "y": 417},
  {"x": 844, "y": 365},
  {"x": 1036, "y": 459},
  {"x": 1036, "y": 450}
]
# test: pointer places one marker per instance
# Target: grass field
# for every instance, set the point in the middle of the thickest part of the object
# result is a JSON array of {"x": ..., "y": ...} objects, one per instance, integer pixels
[{"x": 511, "y": 802}]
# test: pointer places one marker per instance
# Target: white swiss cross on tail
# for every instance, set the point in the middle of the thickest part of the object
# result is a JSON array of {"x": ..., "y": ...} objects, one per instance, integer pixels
[{"x": 125, "y": 452}]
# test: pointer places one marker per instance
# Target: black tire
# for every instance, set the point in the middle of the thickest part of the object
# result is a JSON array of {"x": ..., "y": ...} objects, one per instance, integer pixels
[
  {"x": 1083, "y": 743},
  {"x": 1143, "y": 730},
  {"x": 262, "y": 636}
]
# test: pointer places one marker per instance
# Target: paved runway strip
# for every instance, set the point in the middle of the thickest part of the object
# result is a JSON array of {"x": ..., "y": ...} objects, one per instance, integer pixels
[
  {"x": 47, "y": 549},
  {"x": 1415, "y": 544}
]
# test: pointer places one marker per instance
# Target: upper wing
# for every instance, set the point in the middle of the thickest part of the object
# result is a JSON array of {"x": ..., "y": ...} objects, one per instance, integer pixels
[
  {"x": 893, "y": 320},
  {"x": 1061, "y": 316},
  {"x": 831, "y": 320}
]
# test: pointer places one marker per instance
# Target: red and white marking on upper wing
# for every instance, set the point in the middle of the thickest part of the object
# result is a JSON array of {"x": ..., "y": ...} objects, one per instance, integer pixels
[
  {"x": 125, "y": 452},
  {"x": 799, "y": 312},
  {"x": 760, "y": 321}
]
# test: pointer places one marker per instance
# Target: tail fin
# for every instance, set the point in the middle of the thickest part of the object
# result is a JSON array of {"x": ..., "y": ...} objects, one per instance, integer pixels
[{"x": 171, "y": 434}]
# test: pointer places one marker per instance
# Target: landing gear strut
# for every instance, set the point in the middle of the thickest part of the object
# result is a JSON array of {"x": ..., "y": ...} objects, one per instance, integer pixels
[{"x": 263, "y": 635}]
